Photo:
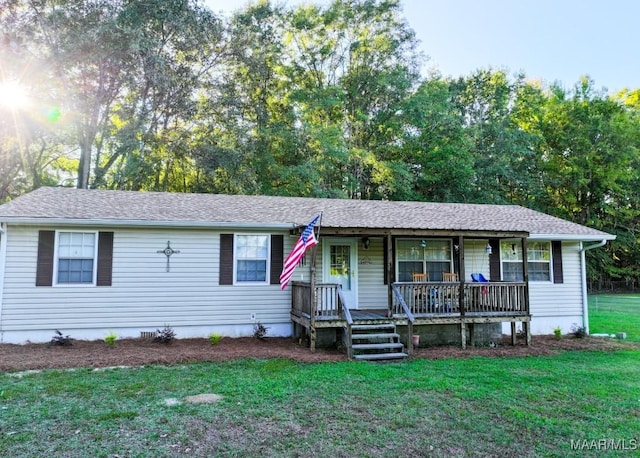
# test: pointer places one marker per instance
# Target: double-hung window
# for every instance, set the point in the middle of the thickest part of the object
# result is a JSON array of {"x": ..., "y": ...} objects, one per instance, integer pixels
[
  {"x": 538, "y": 260},
  {"x": 251, "y": 258},
  {"x": 430, "y": 256},
  {"x": 76, "y": 254}
]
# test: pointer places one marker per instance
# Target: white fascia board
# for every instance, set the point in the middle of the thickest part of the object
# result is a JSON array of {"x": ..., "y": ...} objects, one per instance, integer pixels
[
  {"x": 146, "y": 223},
  {"x": 572, "y": 237}
]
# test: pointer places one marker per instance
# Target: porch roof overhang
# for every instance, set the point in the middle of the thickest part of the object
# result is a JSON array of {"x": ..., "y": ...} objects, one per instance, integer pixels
[{"x": 405, "y": 232}]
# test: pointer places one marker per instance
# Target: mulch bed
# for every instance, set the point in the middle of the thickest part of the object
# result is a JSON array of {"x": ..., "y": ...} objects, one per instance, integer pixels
[{"x": 137, "y": 352}]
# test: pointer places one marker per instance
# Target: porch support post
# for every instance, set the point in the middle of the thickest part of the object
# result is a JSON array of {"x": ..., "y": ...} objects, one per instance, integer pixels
[
  {"x": 461, "y": 275},
  {"x": 525, "y": 275},
  {"x": 463, "y": 334},
  {"x": 526, "y": 329},
  {"x": 312, "y": 299},
  {"x": 390, "y": 278},
  {"x": 513, "y": 333}
]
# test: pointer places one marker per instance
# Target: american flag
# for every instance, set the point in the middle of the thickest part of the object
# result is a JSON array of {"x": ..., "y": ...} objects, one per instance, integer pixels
[{"x": 307, "y": 240}]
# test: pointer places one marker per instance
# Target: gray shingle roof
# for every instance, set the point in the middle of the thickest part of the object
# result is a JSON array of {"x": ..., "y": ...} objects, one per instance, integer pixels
[{"x": 131, "y": 208}]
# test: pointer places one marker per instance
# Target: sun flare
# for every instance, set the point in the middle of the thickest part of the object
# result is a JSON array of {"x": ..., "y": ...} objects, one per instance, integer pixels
[{"x": 13, "y": 95}]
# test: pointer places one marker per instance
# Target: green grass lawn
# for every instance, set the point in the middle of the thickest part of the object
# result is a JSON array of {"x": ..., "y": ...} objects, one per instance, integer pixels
[
  {"x": 532, "y": 406},
  {"x": 612, "y": 313}
]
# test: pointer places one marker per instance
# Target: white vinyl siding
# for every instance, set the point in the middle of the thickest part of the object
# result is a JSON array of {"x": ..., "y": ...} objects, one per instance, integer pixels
[
  {"x": 476, "y": 258},
  {"x": 143, "y": 293},
  {"x": 560, "y": 299},
  {"x": 372, "y": 292}
]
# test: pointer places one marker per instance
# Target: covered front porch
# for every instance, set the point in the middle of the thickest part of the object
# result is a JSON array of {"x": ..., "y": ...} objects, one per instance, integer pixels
[{"x": 341, "y": 299}]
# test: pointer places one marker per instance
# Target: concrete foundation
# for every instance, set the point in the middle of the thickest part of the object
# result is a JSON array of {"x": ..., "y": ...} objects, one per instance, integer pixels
[{"x": 449, "y": 334}]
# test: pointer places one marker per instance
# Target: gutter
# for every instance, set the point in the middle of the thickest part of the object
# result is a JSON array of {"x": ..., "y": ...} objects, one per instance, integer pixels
[
  {"x": 583, "y": 268},
  {"x": 146, "y": 223}
]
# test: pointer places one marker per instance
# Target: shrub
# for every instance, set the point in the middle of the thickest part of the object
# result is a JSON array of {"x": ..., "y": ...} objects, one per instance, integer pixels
[
  {"x": 110, "y": 339},
  {"x": 259, "y": 330},
  {"x": 557, "y": 331},
  {"x": 214, "y": 338},
  {"x": 60, "y": 339},
  {"x": 165, "y": 335},
  {"x": 578, "y": 331}
]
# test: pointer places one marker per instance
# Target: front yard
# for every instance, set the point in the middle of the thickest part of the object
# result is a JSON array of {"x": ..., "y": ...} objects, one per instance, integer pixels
[{"x": 529, "y": 406}]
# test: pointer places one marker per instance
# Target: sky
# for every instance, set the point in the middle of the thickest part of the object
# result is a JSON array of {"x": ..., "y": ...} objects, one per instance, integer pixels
[{"x": 548, "y": 40}]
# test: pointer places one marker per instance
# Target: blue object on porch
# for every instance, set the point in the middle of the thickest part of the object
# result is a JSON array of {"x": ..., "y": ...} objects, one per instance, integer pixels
[{"x": 479, "y": 278}]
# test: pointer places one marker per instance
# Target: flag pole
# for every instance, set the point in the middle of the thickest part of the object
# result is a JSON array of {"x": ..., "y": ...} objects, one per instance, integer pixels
[
  {"x": 312, "y": 291},
  {"x": 313, "y": 253}
]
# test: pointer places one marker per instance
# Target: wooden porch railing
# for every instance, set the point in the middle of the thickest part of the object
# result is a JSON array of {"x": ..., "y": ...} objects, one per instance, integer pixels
[
  {"x": 418, "y": 299},
  {"x": 495, "y": 298},
  {"x": 443, "y": 298},
  {"x": 327, "y": 303},
  {"x": 427, "y": 298}
]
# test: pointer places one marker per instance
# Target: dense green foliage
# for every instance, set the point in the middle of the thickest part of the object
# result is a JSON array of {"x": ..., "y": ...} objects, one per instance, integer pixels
[
  {"x": 447, "y": 407},
  {"x": 306, "y": 101}
]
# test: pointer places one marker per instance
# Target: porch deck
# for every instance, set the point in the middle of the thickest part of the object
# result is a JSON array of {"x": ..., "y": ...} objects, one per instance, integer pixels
[{"x": 414, "y": 304}]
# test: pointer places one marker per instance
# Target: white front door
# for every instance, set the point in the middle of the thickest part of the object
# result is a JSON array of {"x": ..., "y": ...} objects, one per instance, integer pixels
[{"x": 340, "y": 261}]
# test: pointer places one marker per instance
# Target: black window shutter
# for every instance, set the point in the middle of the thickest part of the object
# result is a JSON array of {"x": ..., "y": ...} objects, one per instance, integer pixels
[
  {"x": 277, "y": 258},
  {"x": 494, "y": 260},
  {"x": 226, "y": 259},
  {"x": 556, "y": 254},
  {"x": 105, "y": 258},
  {"x": 44, "y": 264}
]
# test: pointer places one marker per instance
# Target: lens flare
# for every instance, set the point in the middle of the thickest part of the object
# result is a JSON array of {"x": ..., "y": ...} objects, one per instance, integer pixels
[{"x": 13, "y": 95}]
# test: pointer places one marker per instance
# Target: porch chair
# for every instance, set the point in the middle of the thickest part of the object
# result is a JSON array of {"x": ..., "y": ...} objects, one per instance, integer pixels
[
  {"x": 419, "y": 292},
  {"x": 479, "y": 278},
  {"x": 449, "y": 276},
  {"x": 418, "y": 277}
]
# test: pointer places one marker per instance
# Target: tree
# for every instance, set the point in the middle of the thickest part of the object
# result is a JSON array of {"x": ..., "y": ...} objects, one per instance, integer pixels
[
  {"x": 501, "y": 149},
  {"x": 353, "y": 67},
  {"x": 437, "y": 145}
]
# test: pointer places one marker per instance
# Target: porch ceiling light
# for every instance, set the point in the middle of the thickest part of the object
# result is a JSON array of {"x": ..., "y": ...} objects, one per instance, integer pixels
[
  {"x": 365, "y": 243},
  {"x": 488, "y": 248}
]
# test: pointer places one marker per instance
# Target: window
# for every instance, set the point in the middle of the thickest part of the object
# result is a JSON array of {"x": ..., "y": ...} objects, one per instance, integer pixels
[
  {"x": 423, "y": 256},
  {"x": 75, "y": 258},
  {"x": 251, "y": 258},
  {"x": 538, "y": 260}
]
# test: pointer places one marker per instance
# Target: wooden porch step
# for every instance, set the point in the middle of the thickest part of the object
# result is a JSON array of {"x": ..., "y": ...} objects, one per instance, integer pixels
[
  {"x": 377, "y": 336},
  {"x": 380, "y": 356},
  {"x": 378, "y": 346},
  {"x": 371, "y": 327}
]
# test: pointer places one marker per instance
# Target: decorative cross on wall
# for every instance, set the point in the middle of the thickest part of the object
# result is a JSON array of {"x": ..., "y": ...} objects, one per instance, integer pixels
[{"x": 168, "y": 251}]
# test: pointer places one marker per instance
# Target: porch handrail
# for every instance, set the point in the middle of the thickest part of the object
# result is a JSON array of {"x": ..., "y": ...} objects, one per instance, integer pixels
[
  {"x": 410, "y": 318},
  {"x": 344, "y": 307},
  {"x": 403, "y": 303},
  {"x": 342, "y": 304}
]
